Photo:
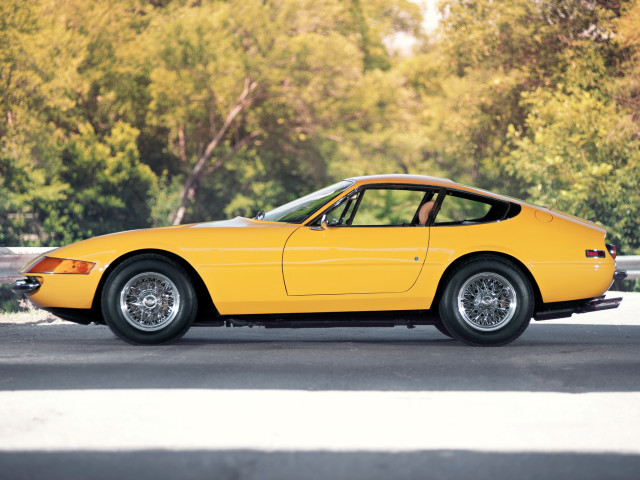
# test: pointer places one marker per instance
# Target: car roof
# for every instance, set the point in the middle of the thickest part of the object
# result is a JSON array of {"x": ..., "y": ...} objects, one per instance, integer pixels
[
  {"x": 422, "y": 180},
  {"x": 403, "y": 178},
  {"x": 433, "y": 181},
  {"x": 446, "y": 183}
]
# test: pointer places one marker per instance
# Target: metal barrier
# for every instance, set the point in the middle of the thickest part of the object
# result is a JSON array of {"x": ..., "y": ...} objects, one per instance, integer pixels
[
  {"x": 630, "y": 263},
  {"x": 13, "y": 258}
]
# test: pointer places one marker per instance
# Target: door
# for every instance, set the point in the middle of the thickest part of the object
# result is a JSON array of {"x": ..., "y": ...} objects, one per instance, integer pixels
[{"x": 372, "y": 243}]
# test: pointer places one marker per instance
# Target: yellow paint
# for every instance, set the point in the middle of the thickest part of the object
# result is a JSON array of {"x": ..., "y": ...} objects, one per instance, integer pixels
[
  {"x": 252, "y": 266},
  {"x": 342, "y": 260}
]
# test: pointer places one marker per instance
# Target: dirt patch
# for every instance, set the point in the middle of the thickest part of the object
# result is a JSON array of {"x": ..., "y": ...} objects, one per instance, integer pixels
[{"x": 29, "y": 314}]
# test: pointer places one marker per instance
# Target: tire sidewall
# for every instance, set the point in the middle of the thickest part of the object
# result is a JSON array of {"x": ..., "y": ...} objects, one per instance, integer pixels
[
  {"x": 439, "y": 325},
  {"x": 460, "y": 329},
  {"x": 128, "y": 269}
]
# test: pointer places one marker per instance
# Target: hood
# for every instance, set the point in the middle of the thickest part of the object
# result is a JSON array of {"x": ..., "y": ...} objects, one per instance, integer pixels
[{"x": 239, "y": 222}]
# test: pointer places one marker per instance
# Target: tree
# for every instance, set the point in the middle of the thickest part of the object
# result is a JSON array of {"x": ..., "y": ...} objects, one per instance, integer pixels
[
  {"x": 54, "y": 62},
  {"x": 227, "y": 77},
  {"x": 33, "y": 99},
  {"x": 626, "y": 85},
  {"x": 580, "y": 154},
  {"x": 107, "y": 188}
]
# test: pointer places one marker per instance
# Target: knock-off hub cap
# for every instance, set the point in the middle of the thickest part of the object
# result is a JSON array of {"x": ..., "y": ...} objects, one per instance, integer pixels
[{"x": 150, "y": 301}]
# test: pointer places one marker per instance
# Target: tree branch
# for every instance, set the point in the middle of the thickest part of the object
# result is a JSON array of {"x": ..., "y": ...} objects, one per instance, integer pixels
[
  {"x": 182, "y": 144},
  {"x": 244, "y": 100},
  {"x": 236, "y": 148}
]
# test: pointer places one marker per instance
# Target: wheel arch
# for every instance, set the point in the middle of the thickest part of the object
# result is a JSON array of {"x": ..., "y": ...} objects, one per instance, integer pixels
[
  {"x": 206, "y": 308},
  {"x": 453, "y": 266}
]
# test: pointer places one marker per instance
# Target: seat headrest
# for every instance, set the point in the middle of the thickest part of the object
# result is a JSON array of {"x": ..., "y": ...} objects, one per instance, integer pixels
[{"x": 423, "y": 214}]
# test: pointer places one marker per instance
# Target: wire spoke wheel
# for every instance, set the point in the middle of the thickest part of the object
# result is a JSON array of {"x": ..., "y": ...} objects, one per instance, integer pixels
[
  {"x": 487, "y": 301},
  {"x": 149, "y": 301}
]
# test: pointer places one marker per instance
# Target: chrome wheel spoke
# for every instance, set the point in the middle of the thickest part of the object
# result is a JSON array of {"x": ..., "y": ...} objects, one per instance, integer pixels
[
  {"x": 149, "y": 301},
  {"x": 487, "y": 301}
]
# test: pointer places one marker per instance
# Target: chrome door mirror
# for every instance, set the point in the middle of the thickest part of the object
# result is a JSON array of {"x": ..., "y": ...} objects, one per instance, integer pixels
[{"x": 323, "y": 223}]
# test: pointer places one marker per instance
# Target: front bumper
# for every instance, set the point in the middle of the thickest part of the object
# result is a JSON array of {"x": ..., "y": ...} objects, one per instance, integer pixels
[{"x": 25, "y": 286}]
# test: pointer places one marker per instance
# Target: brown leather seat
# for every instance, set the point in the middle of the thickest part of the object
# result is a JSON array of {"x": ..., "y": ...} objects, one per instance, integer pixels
[{"x": 423, "y": 214}]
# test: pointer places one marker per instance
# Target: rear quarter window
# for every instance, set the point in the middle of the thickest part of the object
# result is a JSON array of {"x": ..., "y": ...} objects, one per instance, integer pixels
[{"x": 464, "y": 209}]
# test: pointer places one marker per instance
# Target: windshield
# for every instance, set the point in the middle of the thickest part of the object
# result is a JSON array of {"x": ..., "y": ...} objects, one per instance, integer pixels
[{"x": 299, "y": 210}]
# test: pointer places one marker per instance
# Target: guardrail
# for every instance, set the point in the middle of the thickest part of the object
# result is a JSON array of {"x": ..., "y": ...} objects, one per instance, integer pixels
[
  {"x": 630, "y": 263},
  {"x": 13, "y": 258}
]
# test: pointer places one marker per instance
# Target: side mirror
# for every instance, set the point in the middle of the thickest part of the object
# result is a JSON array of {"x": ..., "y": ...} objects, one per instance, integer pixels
[{"x": 323, "y": 223}]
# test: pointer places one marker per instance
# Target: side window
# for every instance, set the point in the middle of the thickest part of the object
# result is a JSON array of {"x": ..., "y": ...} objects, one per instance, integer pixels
[
  {"x": 387, "y": 206},
  {"x": 458, "y": 210}
]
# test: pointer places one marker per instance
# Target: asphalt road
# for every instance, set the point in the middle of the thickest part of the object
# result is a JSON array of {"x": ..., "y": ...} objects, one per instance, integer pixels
[{"x": 563, "y": 401}]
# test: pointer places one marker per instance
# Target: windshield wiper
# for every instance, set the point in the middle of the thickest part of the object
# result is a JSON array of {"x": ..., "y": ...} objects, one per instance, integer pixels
[{"x": 259, "y": 215}]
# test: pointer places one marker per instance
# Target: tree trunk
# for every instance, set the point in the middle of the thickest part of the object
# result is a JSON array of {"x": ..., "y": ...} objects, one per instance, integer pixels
[{"x": 198, "y": 171}]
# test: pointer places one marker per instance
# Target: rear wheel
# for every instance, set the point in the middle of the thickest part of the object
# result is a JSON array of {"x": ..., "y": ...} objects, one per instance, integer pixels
[
  {"x": 149, "y": 299},
  {"x": 487, "y": 301}
]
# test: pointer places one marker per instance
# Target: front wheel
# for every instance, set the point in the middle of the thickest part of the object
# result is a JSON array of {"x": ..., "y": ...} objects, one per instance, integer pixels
[
  {"x": 441, "y": 328},
  {"x": 149, "y": 299},
  {"x": 487, "y": 301}
]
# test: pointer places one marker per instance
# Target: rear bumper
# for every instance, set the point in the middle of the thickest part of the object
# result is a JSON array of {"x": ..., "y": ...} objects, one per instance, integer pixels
[
  {"x": 600, "y": 303},
  {"x": 620, "y": 275},
  {"x": 567, "y": 309}
]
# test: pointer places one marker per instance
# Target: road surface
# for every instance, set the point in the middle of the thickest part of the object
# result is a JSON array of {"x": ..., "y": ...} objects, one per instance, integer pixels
[{"x": 563, "y": 401}]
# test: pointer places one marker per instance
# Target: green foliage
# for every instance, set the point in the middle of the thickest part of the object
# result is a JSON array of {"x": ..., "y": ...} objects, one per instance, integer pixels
[
  {"x": 549, "y": 94},
  {"x": 8, "y": 300},
  {"x": 108, "y": 188},
  {"x": 580, "y": 155}
]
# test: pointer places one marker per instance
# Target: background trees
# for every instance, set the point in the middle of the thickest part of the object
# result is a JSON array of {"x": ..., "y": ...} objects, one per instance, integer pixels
[
  {"x": 548, "y": 103},
  {"x": 131, "y": 113}
]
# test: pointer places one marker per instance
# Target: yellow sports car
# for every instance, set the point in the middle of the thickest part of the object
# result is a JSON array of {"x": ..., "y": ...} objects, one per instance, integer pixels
[{"x": 366, "y": 251}]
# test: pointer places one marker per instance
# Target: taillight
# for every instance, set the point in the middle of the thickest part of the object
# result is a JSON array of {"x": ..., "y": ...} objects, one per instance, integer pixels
[
  {"x": 613, "y": 251},
  {"x": 595, "y": 254}
]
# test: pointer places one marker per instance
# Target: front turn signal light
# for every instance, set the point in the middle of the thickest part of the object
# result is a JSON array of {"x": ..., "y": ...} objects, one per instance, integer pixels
[{"x": 61, "y": 265}]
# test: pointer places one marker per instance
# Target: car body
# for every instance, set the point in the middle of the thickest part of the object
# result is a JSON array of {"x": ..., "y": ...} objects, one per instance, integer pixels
[{"x": 374, "y": 250}]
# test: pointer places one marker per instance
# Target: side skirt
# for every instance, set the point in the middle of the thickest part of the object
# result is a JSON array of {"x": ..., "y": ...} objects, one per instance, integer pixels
[{"x": 408, "y": 318}]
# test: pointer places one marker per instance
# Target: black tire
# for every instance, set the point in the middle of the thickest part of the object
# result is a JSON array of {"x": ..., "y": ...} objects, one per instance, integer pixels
[
  {"x": 487, "y": 301},
  {"x": 149, "y": 299}
]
